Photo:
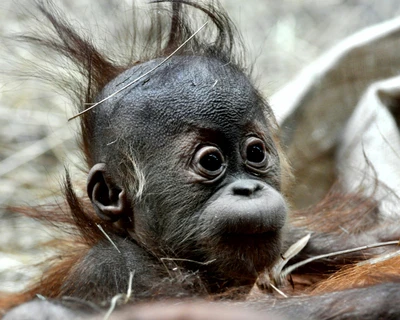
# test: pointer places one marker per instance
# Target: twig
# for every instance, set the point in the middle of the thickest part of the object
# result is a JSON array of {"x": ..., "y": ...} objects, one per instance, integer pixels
[
  {"x": 121, "y": 296},
  {"x": 188, "y": 260},
  {"x": 140, "y": 77},
  {"x": 277, "y": 290},
  {"x": 380, "y": 258},
  {"x": 293, "y": 250},
  {"x": 293, "y": 267},
  {"x": 108, "y": 237}
]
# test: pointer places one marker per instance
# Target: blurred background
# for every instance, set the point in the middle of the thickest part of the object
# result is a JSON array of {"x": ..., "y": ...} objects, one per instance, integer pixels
[{"x": 36, "y": 141}]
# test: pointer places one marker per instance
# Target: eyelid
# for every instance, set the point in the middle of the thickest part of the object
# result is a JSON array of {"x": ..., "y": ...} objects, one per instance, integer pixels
[
  {"x": 201, "y": 173},
  {"x": 256, "y": 167}
]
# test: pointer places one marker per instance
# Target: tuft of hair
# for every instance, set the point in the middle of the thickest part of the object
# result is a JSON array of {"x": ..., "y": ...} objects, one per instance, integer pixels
[{"x": 168, "y": 25}]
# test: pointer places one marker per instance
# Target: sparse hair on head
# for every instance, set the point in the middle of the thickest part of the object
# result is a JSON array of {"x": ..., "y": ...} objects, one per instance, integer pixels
[{"x": 161, "y": 37}]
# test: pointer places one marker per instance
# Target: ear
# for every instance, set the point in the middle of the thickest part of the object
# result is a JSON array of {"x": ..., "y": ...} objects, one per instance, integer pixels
[{"x": 109, "y": 200}]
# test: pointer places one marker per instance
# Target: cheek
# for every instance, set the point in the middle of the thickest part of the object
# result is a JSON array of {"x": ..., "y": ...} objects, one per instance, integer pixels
[{"x": 169, "y": 207}]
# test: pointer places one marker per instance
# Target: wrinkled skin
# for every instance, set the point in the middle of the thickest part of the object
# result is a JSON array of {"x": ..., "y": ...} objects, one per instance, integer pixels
[{"x": 234, "y": 215}]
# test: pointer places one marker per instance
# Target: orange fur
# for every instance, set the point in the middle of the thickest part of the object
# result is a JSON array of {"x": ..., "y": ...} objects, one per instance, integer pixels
[{"x": 355, "y": 276}]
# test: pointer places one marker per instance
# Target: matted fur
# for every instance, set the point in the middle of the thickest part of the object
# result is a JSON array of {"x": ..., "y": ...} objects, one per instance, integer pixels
[{"x": 97, "y": 69}]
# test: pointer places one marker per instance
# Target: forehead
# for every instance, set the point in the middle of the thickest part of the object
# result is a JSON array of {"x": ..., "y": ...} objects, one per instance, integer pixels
[{"x": 187, "y": 91}]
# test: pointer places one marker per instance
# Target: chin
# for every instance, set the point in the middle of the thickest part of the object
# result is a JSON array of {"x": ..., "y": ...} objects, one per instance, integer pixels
[{"x": 245, "y": 256}]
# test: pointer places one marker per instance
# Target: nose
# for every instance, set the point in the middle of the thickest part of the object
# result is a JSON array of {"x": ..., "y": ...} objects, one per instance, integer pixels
[{"x": 245, "y": 187}]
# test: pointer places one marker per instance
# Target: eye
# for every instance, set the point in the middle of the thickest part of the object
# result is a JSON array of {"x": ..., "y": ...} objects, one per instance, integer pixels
[
  {"x": 209, "y": 162},
  {"x": 255, "y": 154}
]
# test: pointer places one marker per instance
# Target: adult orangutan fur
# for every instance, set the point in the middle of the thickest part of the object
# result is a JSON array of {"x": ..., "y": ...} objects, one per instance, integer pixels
[{"x": 126, "y": 179}]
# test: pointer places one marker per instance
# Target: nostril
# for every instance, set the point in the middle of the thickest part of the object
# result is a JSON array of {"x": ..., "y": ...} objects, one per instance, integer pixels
[
  {"x": 246, "y": 187},
  {"x": 242, "y": 191}
]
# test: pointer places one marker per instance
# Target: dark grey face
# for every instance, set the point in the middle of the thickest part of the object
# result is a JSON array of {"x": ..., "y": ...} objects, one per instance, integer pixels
[{"x": 198, "y": 132}]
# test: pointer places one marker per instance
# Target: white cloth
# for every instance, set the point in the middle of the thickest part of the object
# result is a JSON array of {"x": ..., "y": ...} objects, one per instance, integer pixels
[{"x": 340, "y": 118}]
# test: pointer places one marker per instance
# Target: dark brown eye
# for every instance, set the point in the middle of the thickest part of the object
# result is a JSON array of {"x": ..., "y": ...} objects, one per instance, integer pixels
[
  {"x": 254, "y": 153},
  {"x": 209, "y": 162}
]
